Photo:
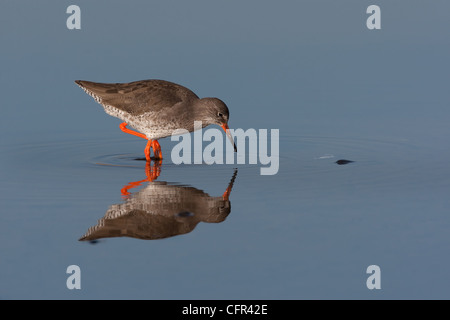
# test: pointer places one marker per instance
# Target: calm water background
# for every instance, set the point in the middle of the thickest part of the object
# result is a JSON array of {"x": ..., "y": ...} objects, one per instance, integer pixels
[{"x": 334, "y": 89}]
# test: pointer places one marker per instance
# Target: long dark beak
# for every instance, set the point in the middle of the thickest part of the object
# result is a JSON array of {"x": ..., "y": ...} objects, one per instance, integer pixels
[{"x": 227, "y": 131}]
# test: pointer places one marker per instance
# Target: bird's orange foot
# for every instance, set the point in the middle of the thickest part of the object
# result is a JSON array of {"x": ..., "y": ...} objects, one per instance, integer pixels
[
  {"x": 157, "y": 150},
  {"x": 147, "y": 150},
  {"x": 150, "y": 144}
]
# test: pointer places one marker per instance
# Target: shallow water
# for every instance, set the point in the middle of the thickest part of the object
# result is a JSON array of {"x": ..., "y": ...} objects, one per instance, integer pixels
[
  {"x": 174, "y": 231},
  {"x": 308, "y": 232}
]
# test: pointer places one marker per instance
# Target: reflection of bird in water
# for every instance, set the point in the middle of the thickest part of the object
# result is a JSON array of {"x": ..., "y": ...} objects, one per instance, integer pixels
[{"x": 161, "y": 210}]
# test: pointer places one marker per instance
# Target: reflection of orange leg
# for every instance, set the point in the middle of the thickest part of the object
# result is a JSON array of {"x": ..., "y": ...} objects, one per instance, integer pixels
[
  {"x": 152, "y": 173},
  {"x": 129, "y": 186}
]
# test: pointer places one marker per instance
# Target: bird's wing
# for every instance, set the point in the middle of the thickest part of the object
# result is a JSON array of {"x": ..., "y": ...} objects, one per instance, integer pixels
[{"x": 138, "y": 97}]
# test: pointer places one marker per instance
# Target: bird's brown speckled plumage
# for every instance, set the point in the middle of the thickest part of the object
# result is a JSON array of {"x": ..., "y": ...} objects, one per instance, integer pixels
[
  {"x": 138, "y": 97},
  {"x": 156, "y": 108}
]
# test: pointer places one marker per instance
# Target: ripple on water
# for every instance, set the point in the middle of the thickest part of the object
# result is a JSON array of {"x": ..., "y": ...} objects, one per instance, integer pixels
[{"x": 376, "y": 163}]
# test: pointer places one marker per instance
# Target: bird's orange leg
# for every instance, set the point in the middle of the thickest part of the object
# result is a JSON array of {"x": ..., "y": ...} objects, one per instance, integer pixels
[
  {"x": 150, "y": 144},
  {"x": 123, "y": 127},
  {"x": 147, "y": 150},
  {"x": 156, "y": 149}
]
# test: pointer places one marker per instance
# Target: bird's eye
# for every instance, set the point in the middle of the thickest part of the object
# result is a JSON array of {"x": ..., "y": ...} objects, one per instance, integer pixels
[{"x": 220, "y": 115}]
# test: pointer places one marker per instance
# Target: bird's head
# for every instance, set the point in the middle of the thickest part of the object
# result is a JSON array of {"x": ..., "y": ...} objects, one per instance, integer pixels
[{"x": 215, "y": 111}]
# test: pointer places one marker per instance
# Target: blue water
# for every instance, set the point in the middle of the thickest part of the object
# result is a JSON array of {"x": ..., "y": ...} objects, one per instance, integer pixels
[{"x": 334, "y": 89}]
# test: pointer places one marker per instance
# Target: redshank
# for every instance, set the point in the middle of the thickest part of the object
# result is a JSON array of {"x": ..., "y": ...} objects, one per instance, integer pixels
[{"x": 156, "y": 108}]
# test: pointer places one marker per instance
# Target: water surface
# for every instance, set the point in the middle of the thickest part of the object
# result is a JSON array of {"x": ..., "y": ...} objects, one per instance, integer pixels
[{"x": 335, "y": 90}]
